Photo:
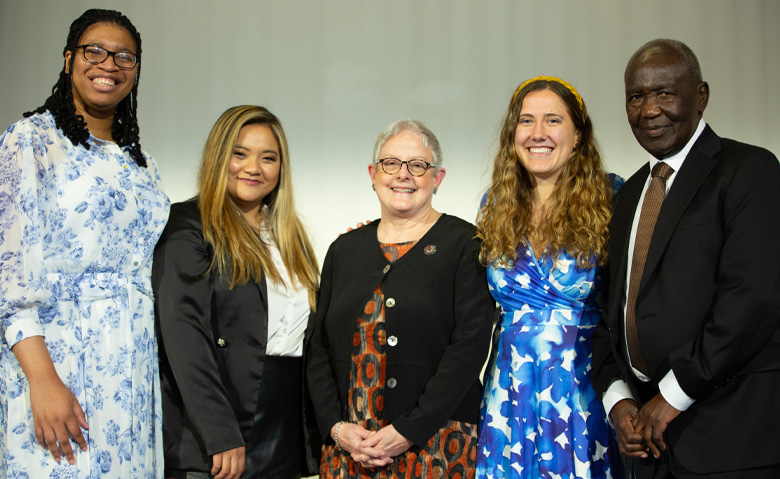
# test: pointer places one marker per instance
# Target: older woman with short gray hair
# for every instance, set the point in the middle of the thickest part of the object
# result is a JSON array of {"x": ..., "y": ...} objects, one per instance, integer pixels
[{"x": 403, "y": 327}]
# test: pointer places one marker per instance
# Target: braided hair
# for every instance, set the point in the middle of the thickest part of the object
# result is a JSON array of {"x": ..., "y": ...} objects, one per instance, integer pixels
[{"x": 60, "y": 104}]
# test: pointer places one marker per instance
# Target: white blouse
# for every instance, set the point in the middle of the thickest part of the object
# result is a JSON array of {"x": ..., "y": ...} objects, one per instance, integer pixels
[{"x": 288, "y": 308}]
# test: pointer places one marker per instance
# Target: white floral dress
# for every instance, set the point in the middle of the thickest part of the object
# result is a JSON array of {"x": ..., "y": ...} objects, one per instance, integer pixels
[{"x": 77, "y": 231}]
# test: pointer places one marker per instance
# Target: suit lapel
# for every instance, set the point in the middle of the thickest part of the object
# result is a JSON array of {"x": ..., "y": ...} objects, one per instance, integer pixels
[
  {"x": 696, "y": 167},
  {"x": 620, "y": 235},
  {"x": 263, "y": 290}
]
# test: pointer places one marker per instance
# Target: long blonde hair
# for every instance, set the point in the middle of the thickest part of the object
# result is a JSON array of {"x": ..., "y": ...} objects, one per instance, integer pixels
[
  {"x": 239, "y": 254},
  {"x": 577, "y": 217}
]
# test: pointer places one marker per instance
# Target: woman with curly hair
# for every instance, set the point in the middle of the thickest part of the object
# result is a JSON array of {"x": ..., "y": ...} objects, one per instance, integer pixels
[
  {"x": 543, "y": 226},
  {"x": 80, "y": 213}
]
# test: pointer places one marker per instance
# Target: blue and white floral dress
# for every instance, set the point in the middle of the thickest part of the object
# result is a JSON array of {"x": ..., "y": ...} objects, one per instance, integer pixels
[
  {"x": 77, "y": 231},
  {"x": 540, "y": 417}
]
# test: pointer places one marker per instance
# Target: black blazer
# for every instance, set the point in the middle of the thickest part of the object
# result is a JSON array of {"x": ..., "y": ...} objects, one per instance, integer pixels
[
  {"x": 212, "y": 348},
  {"x": 708, "y": 304},
  {"x": 442, "y": 319}
]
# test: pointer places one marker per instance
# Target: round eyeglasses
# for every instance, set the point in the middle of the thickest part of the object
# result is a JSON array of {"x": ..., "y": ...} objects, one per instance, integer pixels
[
  {"x": 417, "y": 167},
  {"x": 96, "y": 54}
]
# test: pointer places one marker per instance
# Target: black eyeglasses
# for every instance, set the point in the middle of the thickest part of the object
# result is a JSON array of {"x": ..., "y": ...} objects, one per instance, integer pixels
[
  {"x": 96, "y": 54},
  {"x": 417, "y": 167}
]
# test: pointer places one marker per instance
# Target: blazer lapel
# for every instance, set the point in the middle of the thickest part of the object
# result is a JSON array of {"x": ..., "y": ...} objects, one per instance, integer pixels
[
  {"x": 263, "y": 290},
  {"x": 620, "y": 235},
  {"x": 696, "y": 167}
]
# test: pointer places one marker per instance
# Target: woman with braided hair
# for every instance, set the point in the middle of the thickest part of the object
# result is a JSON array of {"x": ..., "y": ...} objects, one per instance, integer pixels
[
  {"x": 80, "y": 213},
  {"x": 543, "y": 226}
]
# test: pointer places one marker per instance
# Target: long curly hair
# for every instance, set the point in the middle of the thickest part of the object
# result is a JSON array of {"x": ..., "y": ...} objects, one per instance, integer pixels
[
  {"x": 239, "y": 254},
  {"x": 577, "y": 217},
  {"x": 60, "y": 104}
]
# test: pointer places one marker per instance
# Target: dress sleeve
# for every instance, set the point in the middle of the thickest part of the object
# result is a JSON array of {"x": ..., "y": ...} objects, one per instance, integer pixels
[
  {"x": 320, "y": 374},
  {"x": 154, "y": 171},
  {"x": 615, "y": 181},
  {"x": 24, "y": 289},
  {"x": 184, "y": 300},
  {"x": 463, "y": 359}
]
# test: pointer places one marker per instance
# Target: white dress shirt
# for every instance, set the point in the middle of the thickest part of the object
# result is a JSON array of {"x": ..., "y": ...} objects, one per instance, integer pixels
[
  {"x": 288, "y": 308},
  {"x": 669, "y": 387}
]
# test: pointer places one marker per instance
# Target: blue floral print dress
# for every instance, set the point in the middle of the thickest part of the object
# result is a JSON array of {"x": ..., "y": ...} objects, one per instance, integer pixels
[{"x": 77, "y": 231}]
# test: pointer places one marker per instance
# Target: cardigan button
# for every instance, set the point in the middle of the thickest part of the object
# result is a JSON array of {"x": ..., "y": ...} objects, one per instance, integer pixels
[
  {"x": 390, "y": 302},
  {"x": 387, "y": 268},
  {"x": 392, "y": 340},
  {"x": 391, "y": 383},
  {"x": 221, "y": 343}
]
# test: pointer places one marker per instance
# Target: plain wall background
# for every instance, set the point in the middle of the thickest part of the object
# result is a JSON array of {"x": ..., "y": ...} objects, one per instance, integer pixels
[{"x": 337, "y": 72}]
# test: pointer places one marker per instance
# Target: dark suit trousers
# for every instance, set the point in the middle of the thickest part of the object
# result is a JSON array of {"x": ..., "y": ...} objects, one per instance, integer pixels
[{"x": 667, "y": 467}]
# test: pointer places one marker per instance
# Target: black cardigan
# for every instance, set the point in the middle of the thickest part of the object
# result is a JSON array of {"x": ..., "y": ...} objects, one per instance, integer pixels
[{"x": 442, "y": 319}]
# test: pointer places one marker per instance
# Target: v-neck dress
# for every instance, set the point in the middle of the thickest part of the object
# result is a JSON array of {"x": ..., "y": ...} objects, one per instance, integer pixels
[{"x": 540, "y": 417}]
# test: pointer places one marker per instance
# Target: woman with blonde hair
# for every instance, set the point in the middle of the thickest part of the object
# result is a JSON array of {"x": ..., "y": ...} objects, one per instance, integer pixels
[
  {"x": 235, "y": 281},
  {"x": 544, "y": 236}
]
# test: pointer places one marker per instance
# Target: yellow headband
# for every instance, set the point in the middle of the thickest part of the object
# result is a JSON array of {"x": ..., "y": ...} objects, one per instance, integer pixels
[{"x": 558, "y": 80}]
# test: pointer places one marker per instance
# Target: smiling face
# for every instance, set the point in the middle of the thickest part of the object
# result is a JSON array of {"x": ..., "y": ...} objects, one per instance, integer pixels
[
  {"x": 664, "y": 103},
  {"x": 545, "y": 135},
  {"x": 99, "y": 87},
  {"x": 403, "y": 195},
  {"x": 254, "y": 169}
]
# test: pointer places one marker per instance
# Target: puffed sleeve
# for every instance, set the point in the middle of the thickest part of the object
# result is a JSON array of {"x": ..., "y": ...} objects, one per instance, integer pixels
[
  {"x": 615, "y": 181},
  {"x": 184, "y": 298},
  {"x": 319, "y": 372},
  {"x": 24, "y": 290}
]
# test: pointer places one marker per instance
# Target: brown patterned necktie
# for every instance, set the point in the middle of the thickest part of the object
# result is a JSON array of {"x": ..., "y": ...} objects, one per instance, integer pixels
[{"x": 654, "y": 198}]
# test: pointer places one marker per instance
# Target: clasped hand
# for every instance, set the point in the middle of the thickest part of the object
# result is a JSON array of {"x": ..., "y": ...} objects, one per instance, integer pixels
[
  {"x": 371, "y": 448},
  {"x": 640, "y": 431},
  {"x": 229, "y": 464}
]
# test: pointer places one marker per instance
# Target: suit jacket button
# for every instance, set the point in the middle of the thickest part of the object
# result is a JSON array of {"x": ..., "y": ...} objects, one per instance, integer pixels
[
  {"x": 387, "y": 268},
  {"x": 391, "y": 383},
  {"x": 221, "y": 343},
  {"x": 392, "y": 340},
  {"x": 390, "y": 302}
]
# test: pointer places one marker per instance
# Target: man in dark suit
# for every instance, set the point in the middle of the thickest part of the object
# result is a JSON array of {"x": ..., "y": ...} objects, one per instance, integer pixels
[{"x": 687, "y": 358}]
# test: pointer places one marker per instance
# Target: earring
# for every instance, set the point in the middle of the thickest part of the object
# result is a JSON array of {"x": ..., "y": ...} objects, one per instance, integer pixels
[
  {"x": 373, "y": 187},
  {"x": 435, "y": 189}
]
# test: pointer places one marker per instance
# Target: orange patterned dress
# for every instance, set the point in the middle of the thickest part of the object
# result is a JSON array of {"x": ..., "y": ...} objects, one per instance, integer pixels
[{"x": 450, "y": 453}]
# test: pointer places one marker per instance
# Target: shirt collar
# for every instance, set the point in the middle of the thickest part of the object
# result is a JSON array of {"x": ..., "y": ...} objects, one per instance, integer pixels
[{"x": 676, "y": 160}]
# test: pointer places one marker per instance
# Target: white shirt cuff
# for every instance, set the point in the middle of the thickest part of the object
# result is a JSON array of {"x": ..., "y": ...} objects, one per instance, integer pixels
[
  {"x": 616, "y": 392},
  {"x": 673, "y": 393}
]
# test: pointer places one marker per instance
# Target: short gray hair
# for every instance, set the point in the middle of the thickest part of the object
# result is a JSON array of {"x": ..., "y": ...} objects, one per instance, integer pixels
[
  {"x": 683, "y": 51},
  {"x": 414, "y": 127}
]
